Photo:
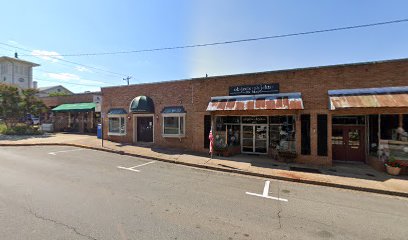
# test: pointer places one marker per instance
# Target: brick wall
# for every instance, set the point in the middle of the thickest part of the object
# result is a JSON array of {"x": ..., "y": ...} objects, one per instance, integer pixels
[{"x": 313, "y": 83}]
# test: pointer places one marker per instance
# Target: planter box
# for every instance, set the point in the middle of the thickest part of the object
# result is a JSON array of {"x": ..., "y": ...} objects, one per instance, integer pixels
[
  {"x": 393, "y": 170},
  {"x": 229, "y": 151}
]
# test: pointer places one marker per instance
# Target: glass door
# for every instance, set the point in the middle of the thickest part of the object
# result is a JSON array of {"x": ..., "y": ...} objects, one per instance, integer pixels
[
  {"x": 261, "y": 139},
  {"x": 248, "y": 138},
  {"x": 254, "y": 138}
]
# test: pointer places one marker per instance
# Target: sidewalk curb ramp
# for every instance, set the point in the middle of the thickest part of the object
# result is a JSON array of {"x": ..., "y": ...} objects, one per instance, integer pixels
[{"x": 221, "y": 169}]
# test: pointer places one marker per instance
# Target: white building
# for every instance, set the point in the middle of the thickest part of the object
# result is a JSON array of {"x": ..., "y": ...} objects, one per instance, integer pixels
[{"x": 17, "y": 72}]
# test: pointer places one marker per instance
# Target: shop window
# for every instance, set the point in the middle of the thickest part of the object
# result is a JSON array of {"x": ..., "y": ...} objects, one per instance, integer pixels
[
  {"x": 117, "y": 125},
  {"x": 389, "y": 125},
  {"x": 373, "y": 134},
  {"x": 227, "y": 131},
  {"x": 322, "y": 135},
  {"x": 405, "y": 122},
  {"x": 305, "y": 132},
  {"x": 174, "y": 125},
  {"x": 282, "y": 133}
]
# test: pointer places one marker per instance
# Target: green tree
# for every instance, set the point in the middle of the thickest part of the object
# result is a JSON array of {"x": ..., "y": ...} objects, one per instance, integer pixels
[
  {"x": 10, "y": 105},
  {"x": 56, "y": 94},
  {"x": 30, "y": 103}
]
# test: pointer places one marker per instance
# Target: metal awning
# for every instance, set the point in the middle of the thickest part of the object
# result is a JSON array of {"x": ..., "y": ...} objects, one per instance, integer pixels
[
  {"x": 142, "y": 104},
  {"x": 75, "y": 107},
  {"x": 281, "y": 101},
  {"x": 117, "y": 111},
  {"x": 368, "y": 98}
]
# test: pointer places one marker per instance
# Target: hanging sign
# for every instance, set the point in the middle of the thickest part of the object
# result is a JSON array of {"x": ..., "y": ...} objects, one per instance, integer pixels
[{"x": 254, "y": 89}]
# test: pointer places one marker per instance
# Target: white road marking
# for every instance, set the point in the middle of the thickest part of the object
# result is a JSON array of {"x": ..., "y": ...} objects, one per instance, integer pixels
[
  {"x": 265, "y": 193},
  {"x": 55, "y": 153},
  {"x": 132, "y": 168}
]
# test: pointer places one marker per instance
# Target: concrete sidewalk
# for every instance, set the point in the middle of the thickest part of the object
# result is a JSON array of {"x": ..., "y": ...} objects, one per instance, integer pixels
[{"x": 348, "y": 176}]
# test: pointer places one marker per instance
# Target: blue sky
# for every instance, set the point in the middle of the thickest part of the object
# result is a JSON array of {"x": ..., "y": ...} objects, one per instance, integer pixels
[{"x": 59, "y": 27}]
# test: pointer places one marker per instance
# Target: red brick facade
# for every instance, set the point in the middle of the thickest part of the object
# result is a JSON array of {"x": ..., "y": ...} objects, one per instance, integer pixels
[
  {"x": 86, "y": 121},
  {"x": 313, "y": 83}
]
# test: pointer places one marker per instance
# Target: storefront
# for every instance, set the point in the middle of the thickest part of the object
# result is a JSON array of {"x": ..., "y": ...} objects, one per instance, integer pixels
[
  {"x": 79, "y": 113},
  {"x": 351, "y": 112},
  {"x": 377, "y": 135},
  {"x": 271, "y": 133},
  {"x": 75, "y": 117}
]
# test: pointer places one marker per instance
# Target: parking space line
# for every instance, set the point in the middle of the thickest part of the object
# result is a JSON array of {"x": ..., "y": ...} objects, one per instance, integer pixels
[
  {"x": 72, "y": 150},
  {"x": 265, "y": 193},
  {"x": 132, "y": 168}
]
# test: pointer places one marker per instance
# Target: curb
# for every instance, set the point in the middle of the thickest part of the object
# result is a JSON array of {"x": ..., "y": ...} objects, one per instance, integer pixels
[{"x": 220, "y": 169}]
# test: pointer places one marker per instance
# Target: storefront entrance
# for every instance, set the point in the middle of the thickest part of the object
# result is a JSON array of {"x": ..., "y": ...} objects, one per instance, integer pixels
[
  {"x": 144, "y": 129},
  {"x": 348, "y": 143},
  {"x": 254, "y": 139}
]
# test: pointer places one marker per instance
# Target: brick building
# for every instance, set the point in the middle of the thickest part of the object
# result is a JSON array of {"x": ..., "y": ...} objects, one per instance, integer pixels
[
  {"x": 73, "y": 113},
  {"x": 350, "y": 112}
]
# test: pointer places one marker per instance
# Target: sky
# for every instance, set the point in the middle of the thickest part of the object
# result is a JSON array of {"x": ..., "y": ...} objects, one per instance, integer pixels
[{"x": 88, "y": 26}]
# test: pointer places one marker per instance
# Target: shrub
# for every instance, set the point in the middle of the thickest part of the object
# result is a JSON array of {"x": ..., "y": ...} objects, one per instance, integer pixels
[{"x": 22, "y": 130}]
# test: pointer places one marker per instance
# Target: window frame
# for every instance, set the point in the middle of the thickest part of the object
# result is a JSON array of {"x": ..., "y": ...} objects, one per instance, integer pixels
[
  {"x": 120, "y": 116},
  {"x": 178, "y": 115}
]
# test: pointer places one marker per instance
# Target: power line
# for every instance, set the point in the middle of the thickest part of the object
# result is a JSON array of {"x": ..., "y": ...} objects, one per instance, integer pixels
[
  {"x": 60, "y": 73},
  {"x": 63, "y": 82},
  {"x": 233, "y": 41},
  {"x": 59, "y": 59}
]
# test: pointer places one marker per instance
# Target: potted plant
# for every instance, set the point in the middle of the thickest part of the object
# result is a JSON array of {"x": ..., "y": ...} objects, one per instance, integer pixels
[
  {"x": 287, "y": 155},
  {"x": 393, "y": 167}
]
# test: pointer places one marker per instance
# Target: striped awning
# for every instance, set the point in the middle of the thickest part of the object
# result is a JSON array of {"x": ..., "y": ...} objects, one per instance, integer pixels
[
  {"x": 368, "y": 98},
  {"x": 281, "y": 101}
]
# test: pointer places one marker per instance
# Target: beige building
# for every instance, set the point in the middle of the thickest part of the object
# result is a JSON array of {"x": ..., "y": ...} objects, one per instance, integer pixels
[
  {"x": 17, "y": 72},
  {"x": 59, "y": 89}
]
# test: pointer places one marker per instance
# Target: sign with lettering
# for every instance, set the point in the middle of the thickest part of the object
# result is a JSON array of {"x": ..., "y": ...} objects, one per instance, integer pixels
[
  {"x": 255, "y": 119},
  {"x": 254, "y": 89}
]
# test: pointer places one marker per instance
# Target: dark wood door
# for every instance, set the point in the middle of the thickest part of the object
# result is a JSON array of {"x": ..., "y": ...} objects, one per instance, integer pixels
[
  {"x": 207, "y": 129},
  {"x": 348, "y": 143},
  {"x": 145, "y": 129}
]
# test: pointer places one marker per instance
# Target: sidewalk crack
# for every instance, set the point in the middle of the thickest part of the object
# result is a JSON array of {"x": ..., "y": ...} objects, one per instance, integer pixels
[
  {"x": 279, "y": 208},
  {"x": 74, "y": 229}
]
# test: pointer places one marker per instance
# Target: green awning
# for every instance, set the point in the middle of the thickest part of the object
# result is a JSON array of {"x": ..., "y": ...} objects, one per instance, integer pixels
[
  {"x": 142, "y": 104},
  {"x": 75, "y": 107}
]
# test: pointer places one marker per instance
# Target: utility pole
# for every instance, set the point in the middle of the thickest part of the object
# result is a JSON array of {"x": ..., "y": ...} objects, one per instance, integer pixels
[{"x": 127, "y": 79}]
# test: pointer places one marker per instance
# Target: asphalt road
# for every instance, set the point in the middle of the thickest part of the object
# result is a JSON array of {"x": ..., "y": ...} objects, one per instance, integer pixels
[{"x": 72, "y": 193}]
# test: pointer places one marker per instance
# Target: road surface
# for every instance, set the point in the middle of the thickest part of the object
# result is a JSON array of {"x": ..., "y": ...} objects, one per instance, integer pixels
[{"x": 71, "y": 193}]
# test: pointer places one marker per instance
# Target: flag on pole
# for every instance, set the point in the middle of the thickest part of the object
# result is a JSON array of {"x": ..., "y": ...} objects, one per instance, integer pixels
[{"x": 211, "y": 137}]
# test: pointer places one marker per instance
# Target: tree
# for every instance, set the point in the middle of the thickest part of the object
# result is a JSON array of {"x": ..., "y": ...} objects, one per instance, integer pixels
[
  {"x": 10, "y": 105},
  {"x": 30, "y": 103},
  {"x": 56, "y": 94},
  {"x": 15, "y": 106}
]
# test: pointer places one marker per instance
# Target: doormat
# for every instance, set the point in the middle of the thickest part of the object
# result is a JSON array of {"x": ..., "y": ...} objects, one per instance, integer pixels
[{"x": 308, "y": 170}]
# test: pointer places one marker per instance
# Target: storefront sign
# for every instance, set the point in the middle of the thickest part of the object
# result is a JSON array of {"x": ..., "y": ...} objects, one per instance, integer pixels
[
  {"x": 255, "y": 119},
  {"x": 254, "y": 89}
]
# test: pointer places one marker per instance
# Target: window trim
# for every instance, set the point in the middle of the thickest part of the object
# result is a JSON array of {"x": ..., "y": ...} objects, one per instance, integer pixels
[
  {"x": 178, "y": 115},
  {"x": 120, "y": 116}
]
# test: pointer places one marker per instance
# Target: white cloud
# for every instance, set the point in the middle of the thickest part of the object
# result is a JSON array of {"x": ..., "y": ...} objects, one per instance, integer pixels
[
  {"x": 47, "y": 55},
  {"x": 82, "y": 69},
  {"x": 64, "y": 76},
  {"x": 69, "y": 77},
  {"x": 13, "y": 42}
]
